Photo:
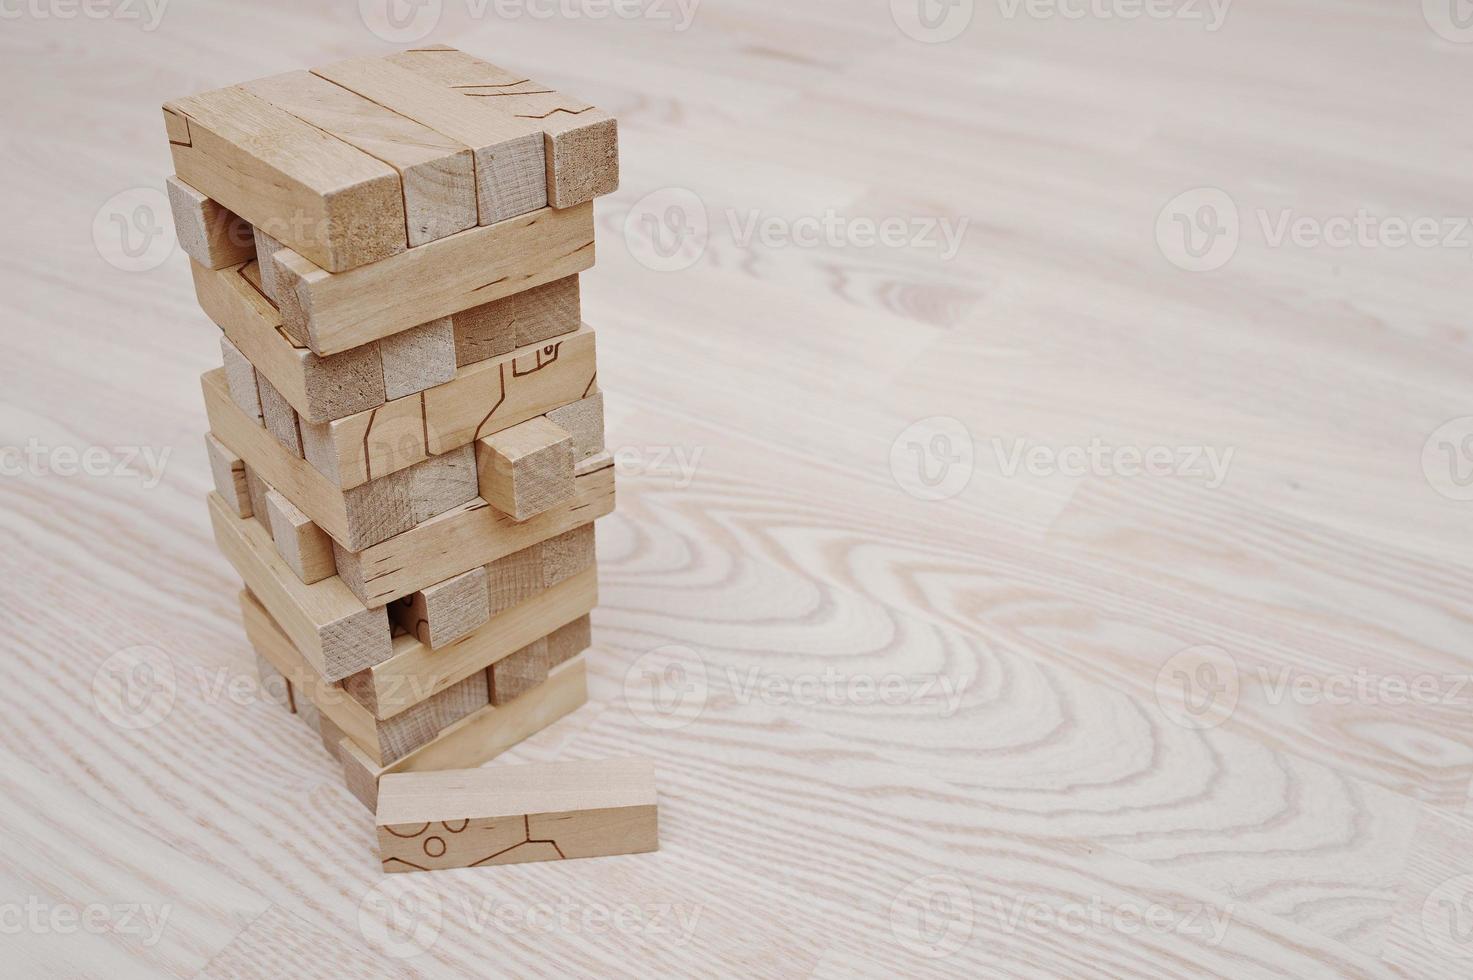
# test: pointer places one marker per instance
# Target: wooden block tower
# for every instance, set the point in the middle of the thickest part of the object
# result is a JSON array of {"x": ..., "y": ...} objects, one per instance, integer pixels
[{"x": 406, "y": 432}]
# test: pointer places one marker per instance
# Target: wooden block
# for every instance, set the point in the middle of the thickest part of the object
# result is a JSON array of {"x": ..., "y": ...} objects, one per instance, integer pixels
[
  {"x": 329, "y": 201},
  {"x": 419, "y": 358},
  {"x": 437, "y": 173},
  {"x": 335, "y": 632},
  {"x": 477, "y": 738},
  {"x": 240, "y": 377},
  {"x": 513, "y": 676},
  {"x": 356, "y": 518},
  {"x": 483, "y": 398},
  {"x": 511, "y": 176},
  {"x": 303, "y": 546},
  {"x": 256, "y": 493},
  {"x": 279, "y": 416},
  {"x": 446, "y": 611},
  {"x": 471, "y": 818},
  {"x": 416, "y": 671},
  {"x": 526, "y": 469},
  {"x": 336, "y": 312},
  {"x": 330, "y": 734},
  {"x": 516, "y": 578},
  {"x": 319, "y": 388},
  {"x": 211, "y": 235},
  {"x": 229, "y": 472},
  {"x": 266, "y": 246},
  {"x": 584, "y": 421},
  {"x": 459, "y": 540},
  {"x": 524, "y": 318},
  {"x": 582, "y": 142},
  {"x": 567, "y": 554},
  {"x": 275, "y": 688}
]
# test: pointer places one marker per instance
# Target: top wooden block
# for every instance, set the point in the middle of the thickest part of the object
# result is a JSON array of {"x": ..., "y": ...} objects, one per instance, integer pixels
[{"x": 358, "y": 161}]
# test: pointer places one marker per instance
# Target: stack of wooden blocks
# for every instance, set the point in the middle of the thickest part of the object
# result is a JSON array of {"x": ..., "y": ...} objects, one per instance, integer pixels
[{"x": 406, "y": 434}]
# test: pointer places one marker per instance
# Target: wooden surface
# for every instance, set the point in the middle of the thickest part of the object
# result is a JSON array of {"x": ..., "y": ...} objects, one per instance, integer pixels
[{"x": 805, "y": 836}]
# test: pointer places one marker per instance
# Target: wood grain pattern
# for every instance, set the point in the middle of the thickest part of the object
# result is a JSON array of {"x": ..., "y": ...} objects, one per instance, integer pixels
[
  {"x": 527, "y": 468},
  {"x": 476, "y": 818},
  {"x": 211, "y": 235},
  {"x": 519, "y": 320},
  {"x": 1316, "y": 830},
  {"x": 303, "y": 546}
]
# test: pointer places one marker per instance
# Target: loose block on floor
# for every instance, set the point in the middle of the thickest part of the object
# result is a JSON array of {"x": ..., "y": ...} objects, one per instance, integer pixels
[
  {"x": 334, "y": 631},
  {"x": 331, "y": 202},
  {"x": 481, "y": 399},
  {"x": 471, "y": 818},
  {"x": 477, "y": 738},
  {"x": 333, "y": 312},
  {"x": 415, "y": 671},
  {"x": 582, "y": 142},
  {"x": 209, "y": 234},
  {"x": 459, "y": 540}
]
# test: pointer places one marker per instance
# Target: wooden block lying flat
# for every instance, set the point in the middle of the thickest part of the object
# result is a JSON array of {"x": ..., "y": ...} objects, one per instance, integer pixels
[
  {"x": 279, "y": 416},
  {"x": 482, "y": 399},
  {"x": 329, "y": 201},
  {"x": 335, "y": 632},
  {"x": 419, "y": 358},
  {"x": 567, "y": 555},
  {"x": 437, "y": 173},
  {"x": 319, "y": 388},
  {"x": 470, "y": 535},
  {"x": 513, "y": 676},
  {"x": 521, "y": 319},
  {"x": 510, "y": 172},
  {"x": 526, "y": 469},
  {"x": 211, "y": 235},
  {"x": 479, "y": 737},
  {"x": 336, "y": 312},
  {"x": 303, "y": 546},
  {"x": 416, "y": 671},
  {"x": 356, "y": 518},
  {"x": 446, "y": 611},
  {"x": 241, "y": 380},
  {"x": 471, "y": 818},
  {"x": 582, "y": 141},
  {"x": 584, "y": 421},
  {"x": 229, "y": 472}
]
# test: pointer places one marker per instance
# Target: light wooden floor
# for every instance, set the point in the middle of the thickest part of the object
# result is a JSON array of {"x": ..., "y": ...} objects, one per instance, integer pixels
[{"x": 1070, "y": 815}]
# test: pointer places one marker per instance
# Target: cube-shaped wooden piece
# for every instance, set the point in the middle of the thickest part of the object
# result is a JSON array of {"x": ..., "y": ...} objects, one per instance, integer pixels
[{"x": 526, "y": 469}]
